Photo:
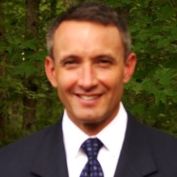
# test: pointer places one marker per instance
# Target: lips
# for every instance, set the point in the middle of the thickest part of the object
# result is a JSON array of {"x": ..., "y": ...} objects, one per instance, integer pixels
[
  {"x": 88, "y": 98},
  {"x": 92, "y": 97}
]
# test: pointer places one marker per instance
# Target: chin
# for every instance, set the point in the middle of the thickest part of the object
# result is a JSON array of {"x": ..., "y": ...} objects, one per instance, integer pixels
[{"x": 91, "y": 120}]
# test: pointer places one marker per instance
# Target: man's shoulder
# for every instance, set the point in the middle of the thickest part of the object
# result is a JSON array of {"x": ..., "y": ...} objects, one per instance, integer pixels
[
  {"x": 156, "y": 139},
  {"x": 28, "y": 146},
  {"x": 147, "y": 150},
  {"x": 162, "y": 141}
]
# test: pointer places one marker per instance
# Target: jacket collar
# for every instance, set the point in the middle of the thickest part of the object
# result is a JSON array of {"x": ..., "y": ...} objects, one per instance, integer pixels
[
  {"x": 50, "y": 158},
  {"x": 136, "y": 159}
]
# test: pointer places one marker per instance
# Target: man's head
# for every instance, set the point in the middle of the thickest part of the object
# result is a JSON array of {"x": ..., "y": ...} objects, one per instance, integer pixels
[
  {"x": 96, "y": 13},
  {"x": 89, "y": 69}
]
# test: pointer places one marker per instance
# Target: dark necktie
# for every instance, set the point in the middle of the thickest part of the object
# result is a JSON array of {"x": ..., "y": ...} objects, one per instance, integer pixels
[{"x": 92, "y": 168}]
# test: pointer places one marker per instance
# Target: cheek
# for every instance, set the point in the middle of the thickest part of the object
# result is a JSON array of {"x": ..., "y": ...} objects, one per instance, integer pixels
[
  {"x": 62, "y": 89},
  {"x": 65, "y": 81},
  {"x": 112, "y": 80}
]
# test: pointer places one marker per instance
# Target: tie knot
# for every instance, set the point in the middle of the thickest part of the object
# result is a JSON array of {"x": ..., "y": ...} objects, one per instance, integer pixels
[{"x": 91, "y": 147}]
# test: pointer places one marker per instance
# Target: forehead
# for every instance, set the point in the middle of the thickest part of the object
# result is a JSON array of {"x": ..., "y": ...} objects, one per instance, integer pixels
[
  {"x": 72, "y": 27},
  {"x": 86, "y": 35}
]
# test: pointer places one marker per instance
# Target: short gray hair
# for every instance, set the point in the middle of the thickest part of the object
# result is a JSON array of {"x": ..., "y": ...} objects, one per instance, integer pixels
[{"x": 92, "y": 12}]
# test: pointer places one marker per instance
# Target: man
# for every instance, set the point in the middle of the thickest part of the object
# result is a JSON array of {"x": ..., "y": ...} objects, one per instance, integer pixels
[{"x": 89, "y": 62}]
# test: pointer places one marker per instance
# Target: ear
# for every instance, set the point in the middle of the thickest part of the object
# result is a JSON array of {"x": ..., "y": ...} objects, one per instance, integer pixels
[
  {"x": 130, "y": 65},
  {"x": 50, "y": 70}
]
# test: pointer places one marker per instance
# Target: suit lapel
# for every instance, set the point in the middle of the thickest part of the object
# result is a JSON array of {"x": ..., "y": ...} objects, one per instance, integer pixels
[
  {"x": 50, "y": 158},
  {"x": 136, "y": 159}
]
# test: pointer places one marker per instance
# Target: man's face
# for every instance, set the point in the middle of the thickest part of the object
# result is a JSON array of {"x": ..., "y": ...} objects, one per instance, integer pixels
[{"x": 89, "y": 71}]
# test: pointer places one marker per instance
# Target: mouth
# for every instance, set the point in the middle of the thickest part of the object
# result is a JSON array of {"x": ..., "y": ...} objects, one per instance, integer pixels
[{"x": 89, "y": 97}]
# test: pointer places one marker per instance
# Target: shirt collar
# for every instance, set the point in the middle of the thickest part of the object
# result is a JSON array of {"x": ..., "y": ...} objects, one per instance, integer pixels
[
  {"x": 74, "y": 136},
  {"x": 113, "y": 135}
]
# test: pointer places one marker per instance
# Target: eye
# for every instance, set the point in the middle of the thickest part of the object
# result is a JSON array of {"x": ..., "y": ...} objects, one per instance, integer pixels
[
  {"x": 70, "y": 62},
  {"x": 104, "y": 61}
]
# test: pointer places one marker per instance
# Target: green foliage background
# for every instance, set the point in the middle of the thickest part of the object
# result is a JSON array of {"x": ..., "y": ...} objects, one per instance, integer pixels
[{"x": 151, "y": 95}]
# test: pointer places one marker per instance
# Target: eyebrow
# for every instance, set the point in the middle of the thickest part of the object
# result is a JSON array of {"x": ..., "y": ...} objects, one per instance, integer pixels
[
  {"x": 72, "y": 56},
  {"x": 96, "y": 57}
]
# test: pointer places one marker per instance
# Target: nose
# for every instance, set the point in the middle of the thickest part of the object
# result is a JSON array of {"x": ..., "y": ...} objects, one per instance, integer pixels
[{"x": 87, "y": 79}]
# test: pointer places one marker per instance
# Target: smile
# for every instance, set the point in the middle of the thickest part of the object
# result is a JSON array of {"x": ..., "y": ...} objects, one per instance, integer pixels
[{"x": 88, "y": 97}]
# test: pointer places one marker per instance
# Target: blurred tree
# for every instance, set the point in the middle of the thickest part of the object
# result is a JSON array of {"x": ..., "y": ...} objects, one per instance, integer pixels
[
  {"x": 28, "y": 102},
  {"x": 2, "y": 72}
]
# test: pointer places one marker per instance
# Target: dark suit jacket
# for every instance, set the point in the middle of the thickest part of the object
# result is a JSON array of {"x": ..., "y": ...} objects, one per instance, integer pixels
[{"x": 146, "y": 153}]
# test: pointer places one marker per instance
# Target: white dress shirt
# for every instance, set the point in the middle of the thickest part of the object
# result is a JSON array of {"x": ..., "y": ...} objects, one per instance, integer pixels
[{"x": 111, "y": 136}]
